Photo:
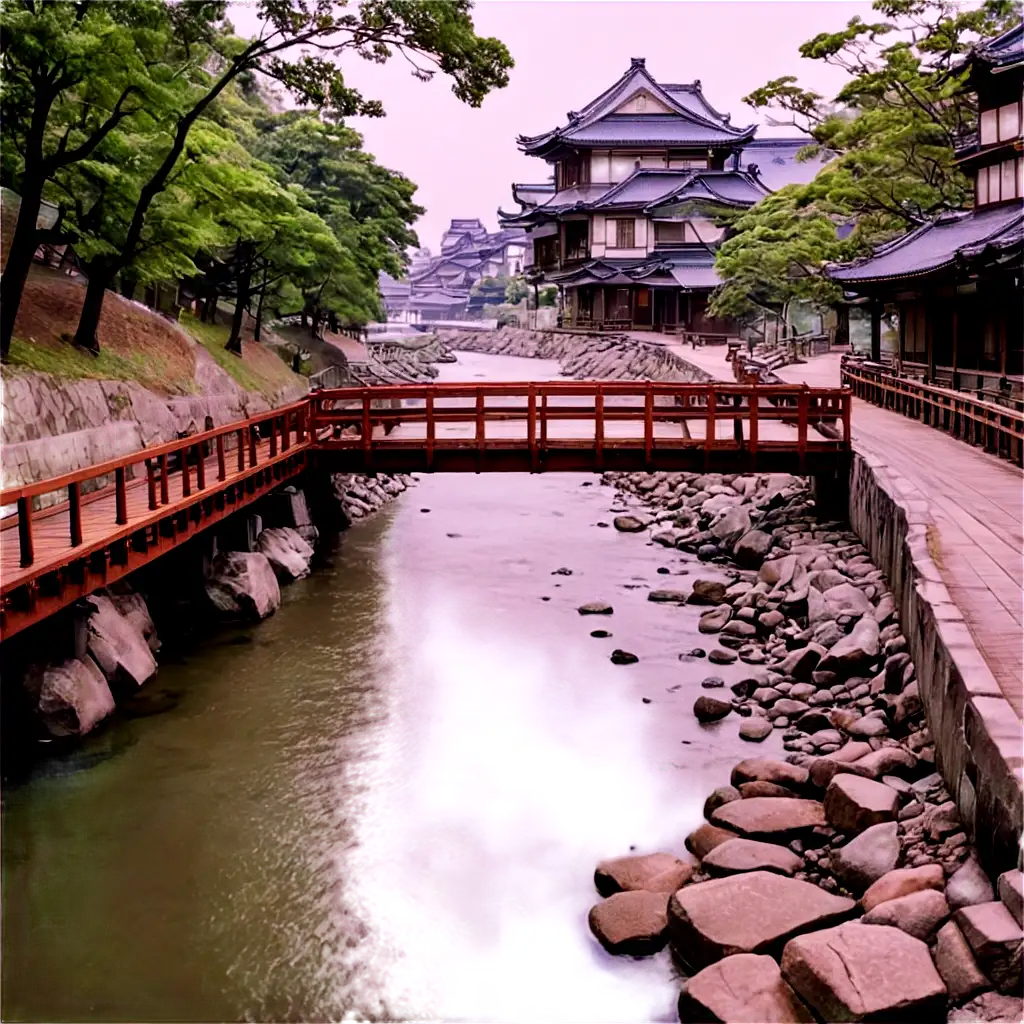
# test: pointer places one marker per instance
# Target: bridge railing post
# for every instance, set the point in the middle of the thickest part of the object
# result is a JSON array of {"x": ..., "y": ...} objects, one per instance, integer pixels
[
  {"x": 367, "y": 429},
  {"x": 431, "y": 428},
  {"x": 121, "y": 496},
  {"x": 273, "y": 436},
  {"x": 753, "y": 402},
  {"x": 531, "y": 426},
  {"x": 709, "y": 428},
  {"x": 151, "y": 485},
  {"x": 649, "y": 425},
  {"x": 25, "y": 532},
  {"x": 599, "y": 427},
  {"x": 165, "y": 495},
  {"x": 481, "y": 427},
  {"x": 75, "y": 512},
  {"x": 222, "y": 469},
  {"x": 252, "y": 445},
  {"x": 803, "y": 404},
  {"x": 200, "y": 468}
]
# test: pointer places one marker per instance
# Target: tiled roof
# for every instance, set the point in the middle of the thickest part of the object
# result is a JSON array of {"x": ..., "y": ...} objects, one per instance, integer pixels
[
  {"x": 941, "y": 243},
  {"x": 777, "y": 164},
  {"x": 688, "y": 267},
  {"x": 1005, "y": 49},
  {"x": 663, "y": 129}
]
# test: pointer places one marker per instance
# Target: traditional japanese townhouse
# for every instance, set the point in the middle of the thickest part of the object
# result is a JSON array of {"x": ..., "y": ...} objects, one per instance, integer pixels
[
  {"x": 626, "y": 227},
  {"x": 956, "y": 281}
]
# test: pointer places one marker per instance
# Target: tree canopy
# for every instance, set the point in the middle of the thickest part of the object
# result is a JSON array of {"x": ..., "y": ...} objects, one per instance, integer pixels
[
  {"x": 890, "y": 131},
  {"x": 143, "y": 121}
]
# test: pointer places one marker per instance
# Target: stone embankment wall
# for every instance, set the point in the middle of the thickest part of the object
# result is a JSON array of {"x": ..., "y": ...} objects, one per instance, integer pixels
[
  {"x": 977, "y": 735},
  {"x": 52, "y": 426},
  {"x": 591, "y": 356}
]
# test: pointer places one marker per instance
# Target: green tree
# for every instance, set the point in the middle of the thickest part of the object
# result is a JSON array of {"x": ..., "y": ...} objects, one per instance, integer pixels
[
  {"x": 72, "y": 74},
  {"x": 516, "y": 290},
  {"x": 295, "y": 47},
  {"x": 775, "y": 255},
  {"x": 894, "y": 125}
]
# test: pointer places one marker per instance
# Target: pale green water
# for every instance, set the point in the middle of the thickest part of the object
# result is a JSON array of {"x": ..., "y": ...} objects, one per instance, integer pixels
[{"x": 390, "y": 802}]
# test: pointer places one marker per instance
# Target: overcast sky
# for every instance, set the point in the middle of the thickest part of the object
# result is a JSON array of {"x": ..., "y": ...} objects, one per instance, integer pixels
[{"x": 567, "y": 52}]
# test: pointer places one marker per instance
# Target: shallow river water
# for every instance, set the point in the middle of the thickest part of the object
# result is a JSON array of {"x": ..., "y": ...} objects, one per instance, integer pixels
[{"x": 387, "y": 800}]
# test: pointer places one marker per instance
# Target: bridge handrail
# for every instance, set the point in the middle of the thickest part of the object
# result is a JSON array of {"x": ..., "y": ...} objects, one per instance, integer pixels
[{"x": 133, "y": 458}]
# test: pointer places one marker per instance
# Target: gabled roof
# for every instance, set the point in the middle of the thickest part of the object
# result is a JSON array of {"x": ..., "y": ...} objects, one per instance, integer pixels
[
  {"x": 650, "y": 188},
  {"x": 1004, "y": 51},
  {"x": 684, "y": 117},
  {"x": 690, "y": 267},
  {"x": 942, "y": 243},
  {"x": 776, "y": 162}
]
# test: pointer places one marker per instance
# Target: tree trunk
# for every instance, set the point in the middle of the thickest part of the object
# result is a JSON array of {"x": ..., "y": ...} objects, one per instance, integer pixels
[
  {"x": 259, "y": 308},
  {"x": 305, "y": 320},
  {"x": 314, "y": 324},
  {"x": 128, "y": 286},
  {"x": 89, "y": 320},
  {"x": 19, "y": 262},
  {"x": 209, "y": 313},
  {"x": 241, "y": 301}
]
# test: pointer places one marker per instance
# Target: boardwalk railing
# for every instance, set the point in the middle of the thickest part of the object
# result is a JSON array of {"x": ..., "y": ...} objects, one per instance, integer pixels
[
  {"x": 573, "y": 425},
  {"x": 996, "y": 428},
  {"x": 159, "y": 497},
  {"x": 163, "y": 495}
]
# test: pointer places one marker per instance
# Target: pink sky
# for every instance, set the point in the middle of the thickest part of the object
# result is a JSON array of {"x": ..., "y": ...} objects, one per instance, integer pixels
[{"x": 464, "y": 159}]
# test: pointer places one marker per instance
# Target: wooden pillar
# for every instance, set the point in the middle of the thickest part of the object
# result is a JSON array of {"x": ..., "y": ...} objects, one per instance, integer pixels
[
  {"x": 876, "y": 331},
  {"x": 842, "y": 325},
  {"x": 929, "y": 336},
  {"x": 955, "y": 382}
]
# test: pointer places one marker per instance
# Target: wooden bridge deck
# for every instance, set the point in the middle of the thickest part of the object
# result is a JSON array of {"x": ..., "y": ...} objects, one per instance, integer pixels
[{"x": 119, "y": 515}]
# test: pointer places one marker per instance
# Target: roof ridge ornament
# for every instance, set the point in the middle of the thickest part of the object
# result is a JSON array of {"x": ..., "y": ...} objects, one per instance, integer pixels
[{"x": 638, "y": 62}]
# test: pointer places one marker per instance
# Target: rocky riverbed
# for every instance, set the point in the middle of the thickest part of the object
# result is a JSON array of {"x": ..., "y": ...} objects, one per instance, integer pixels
[{"x": 870, "y": 902}]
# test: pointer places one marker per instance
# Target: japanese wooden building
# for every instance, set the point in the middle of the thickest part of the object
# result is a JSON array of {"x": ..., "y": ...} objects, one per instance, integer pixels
[
  {"x": 957, "y": 280},
  {"x": 626, "y": 228}
]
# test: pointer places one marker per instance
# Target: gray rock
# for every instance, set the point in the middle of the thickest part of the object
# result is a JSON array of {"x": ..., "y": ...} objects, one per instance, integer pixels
[
  {"x": 717, "y": 797},
  {"x": 855, "y": 650},
  {"x": 667, "y": 596},
  {"x": 755, "y": 729},
  {"x": 853, "y": 804},
  {"x": 289, "y": 555},
  {"x": 774, "y": 818},
  {"x": 651, "y": 872},
  {"x": 989, "y": 1008},
  {"x": 709, "y": 709},
  {"x": 858, "y": 972},
  {"x": 918, "y": 914},
  {"x": 750, "y": 549},
  {"x": 956, "y": 964},
  {"x": 243, "y": 585},
  {"x": 632, "y": 923},
  {"x": 846, "y": 599},
  {"x": 714, "y": 620},
  {"x": 629, "y": 524},
  {"x": 707, "y": 592},
  {"x": 1011, "y": 892},
  {"x": 863, "y": 860},
  {"x": 71, "y": 698},
  {"x": 995, "y": 939},
  {"x": 733, "y": 524},
  {"x": 709, "y": 920},
  {"x": 116, "y": 646},
  {"x": 719, "y": 656},
  {"x": 738, "y": 855},
  {"x": 969, "y": 885},
  {"x": 595, "y": 608},
  {"x": 744, "y": 987}
]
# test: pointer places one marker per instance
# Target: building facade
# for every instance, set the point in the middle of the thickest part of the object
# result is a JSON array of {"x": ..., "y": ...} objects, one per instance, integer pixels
[
  {"x": 438, "y": 287},
  {"x": 957, "y": 280},
  {"x": 626, "y": 225}
]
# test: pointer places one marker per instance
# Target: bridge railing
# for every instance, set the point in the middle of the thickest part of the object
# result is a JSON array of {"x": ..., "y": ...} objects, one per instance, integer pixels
[
  {"x": 187, "y": 466},
  {"x": 539, "y": 418},
  {"x": 999, "y": 429}
]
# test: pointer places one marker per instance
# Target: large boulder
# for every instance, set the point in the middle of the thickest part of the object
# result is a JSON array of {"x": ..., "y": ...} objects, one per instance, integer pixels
[
  {"x": 714, "y": 621},
  {"x": 117, "y": 647},
  {"x": 989, "y": 1008},
  {"x": 595, "y": 608},
  {"x": 857, "y": 973},
  {"x": 853, "y": 804},
  {"x": 846, "y": 599},
  {"x": 732, "y": 525},
  {"x": 969, "y": 885},
  {"x": 652, "y": 872},
  {"x": 703, "y": 839},
  {"x": 903, "y": 882},
  {"x": 289, "y": 555},
  {"x": 134, "y": 610},
  {"x": 864, "y": 859},
  {"x": 71, "y": 698},
  {"x": 766, "y": 817},
  {"x": 854, "y": 651},
  {"x": 956, "y": 964},
  {"x": 918, "y": 914},
  {"x": 741, "y": 989},
  {"x": 713, "y": 919},
  {"x": 242, "y": 585},
  {"x": 710, "y": 709},
  {"x": 996, "y": 940},
  {"x": 750, "y": 549},
  {"x": 736, "y": 855},
  {"x": 634, "y": 923},
  {"x": 1011, "y": 892}
]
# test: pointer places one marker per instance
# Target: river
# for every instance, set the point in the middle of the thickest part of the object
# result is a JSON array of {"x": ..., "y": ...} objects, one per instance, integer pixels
[{"x": 387, "y": 800}]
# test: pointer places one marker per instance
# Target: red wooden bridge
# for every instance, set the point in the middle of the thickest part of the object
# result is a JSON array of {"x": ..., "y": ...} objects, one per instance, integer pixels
[{"x": 72, "y": 534}]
